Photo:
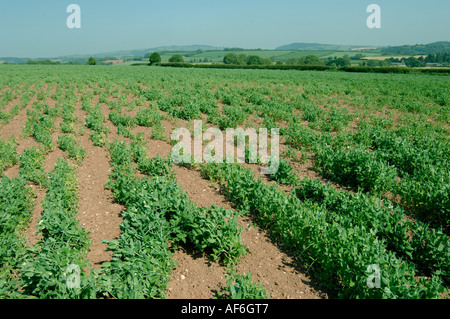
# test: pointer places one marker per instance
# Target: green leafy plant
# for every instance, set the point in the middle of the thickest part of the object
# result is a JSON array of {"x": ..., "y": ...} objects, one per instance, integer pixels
[
  {"x": 8, "y": 154},
  {"x": 32, "y": 165},
  {"x": 148, "y": 117},
  {"x": 70, "y": 144},
  {"x": 241, "y": 287}
]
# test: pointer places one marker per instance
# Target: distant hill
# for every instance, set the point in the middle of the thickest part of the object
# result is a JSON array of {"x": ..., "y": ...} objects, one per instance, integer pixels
[
  {"x": 316, "y": 46},
  {"x": 143, "y": 52},
  {"x": 82, "y": 58},
  {"x": 185, "y": 48},
  {"x": 13, "y": 60},
  {"x": 417, "y": 49}
]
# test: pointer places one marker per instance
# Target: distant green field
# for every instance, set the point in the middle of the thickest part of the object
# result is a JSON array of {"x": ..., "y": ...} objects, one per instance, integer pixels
[{"x": 217, "y": 56}]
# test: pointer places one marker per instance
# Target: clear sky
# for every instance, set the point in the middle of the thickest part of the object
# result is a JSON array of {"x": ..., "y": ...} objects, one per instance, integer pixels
[{"x": 37, "y": 28}]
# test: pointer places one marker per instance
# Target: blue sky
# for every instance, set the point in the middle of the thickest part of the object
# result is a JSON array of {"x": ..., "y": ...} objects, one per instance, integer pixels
[{"x": 30, "y": 28}]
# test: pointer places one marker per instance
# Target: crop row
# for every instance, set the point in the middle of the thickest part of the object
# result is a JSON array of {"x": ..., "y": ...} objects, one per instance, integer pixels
[
  {"x": 428, "y": 248},
  {"x": 16, "y": 205},
  {"x": 158, "y": 218},
  {"x": 55, "y": 265},
  {"x": 337, "y": 249},
  {"x": 409, "y": 161}
]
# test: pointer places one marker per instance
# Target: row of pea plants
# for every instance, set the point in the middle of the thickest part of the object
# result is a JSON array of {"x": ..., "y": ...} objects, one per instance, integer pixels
[
  {"x": 16, "y": 205},
  {"x": 158, "y": 218},
  {"x": 55, "y": 267},
  {"x": 40, "y": 124},
  {"x": 8, "y": 148},
  {"x": 68, "y": 141},
  {"x": 420, "y": 155},
  {"x": 336, "y": 248},
  {"x": 410, "y": 161},
  {"x": 427, "y": 247}
]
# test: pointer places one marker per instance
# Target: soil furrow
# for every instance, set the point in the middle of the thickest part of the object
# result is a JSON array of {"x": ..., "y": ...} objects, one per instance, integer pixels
[
  {"x": 268, "y": 265},
  {"x": 97, "y": 212}
]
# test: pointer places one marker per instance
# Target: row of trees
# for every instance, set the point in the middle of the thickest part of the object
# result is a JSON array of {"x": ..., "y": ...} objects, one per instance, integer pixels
[
  {"x": 412, "y": 62},
  {"x": 242, "y": 59},
  {"x": 442, "y": 57},
  {"x": 381, "y": 63},
  {"x": 230, "y": 58},
  {"x": 155, "y": 57},
  {"x": 314, "y": 60},
  {"x": 90, "y": 61},
  {"x": 200, "y": 60}
]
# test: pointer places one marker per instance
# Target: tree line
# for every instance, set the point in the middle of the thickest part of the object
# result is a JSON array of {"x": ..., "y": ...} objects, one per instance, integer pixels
[
  {"x": 232, "y": 58},
  {"x": 440, "y": 58}
]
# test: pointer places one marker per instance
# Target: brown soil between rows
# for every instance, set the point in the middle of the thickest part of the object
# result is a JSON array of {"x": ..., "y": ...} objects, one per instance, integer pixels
[
  {"x": 269, "y": 266},
  {"x": 97, "y": 211}
]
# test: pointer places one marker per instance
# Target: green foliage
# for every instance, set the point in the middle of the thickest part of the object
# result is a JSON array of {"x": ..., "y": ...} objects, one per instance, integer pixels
[
  {"x": 254, "y": 60},
  {"x": 421, "y": 159},
  {"x": 159, "y": 132},
  {"x": 428, "y": 248},
  {"x": 335, "y": 120},
  {"x": 212, "y": 229},
  {"x": 8, "y": 154},
  {"x": 41, "y": 127},
  {"x": 285, "y": 173},
  {"x": 157, "y": 166},
  {"x": 32, "y": 165},
  {"x": 397, "y": 146},
  {"x": 121, "y": 119},
  {"x": 158, "y": 212},
  {"x": 176, "y": 58},
  {"x": 69, "y": 143},
  {"x": 154, "y": 58},
  {"x": 91, "y": 61},
  {"x": 311, "y": 112},
  {"x": 63, "y": 243},
  {"x": 306, "y": 60},
  {"x": 356, "y": 167},
  {"x": 148, "y": 117},
  {"x": 241, "y": 287},
  {"x": 231, "y": 58},
  {"x": 94, "y": 121},
  {"x": 256, "y": 66},
  {"x": 339, "y": 251},
  {"x": 16, "y": 205},
  {"x": 339, "y": 62}
]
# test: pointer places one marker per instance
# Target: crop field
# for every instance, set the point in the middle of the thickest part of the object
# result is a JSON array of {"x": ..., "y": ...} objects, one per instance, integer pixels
[{"x": 92, "y": 205}]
